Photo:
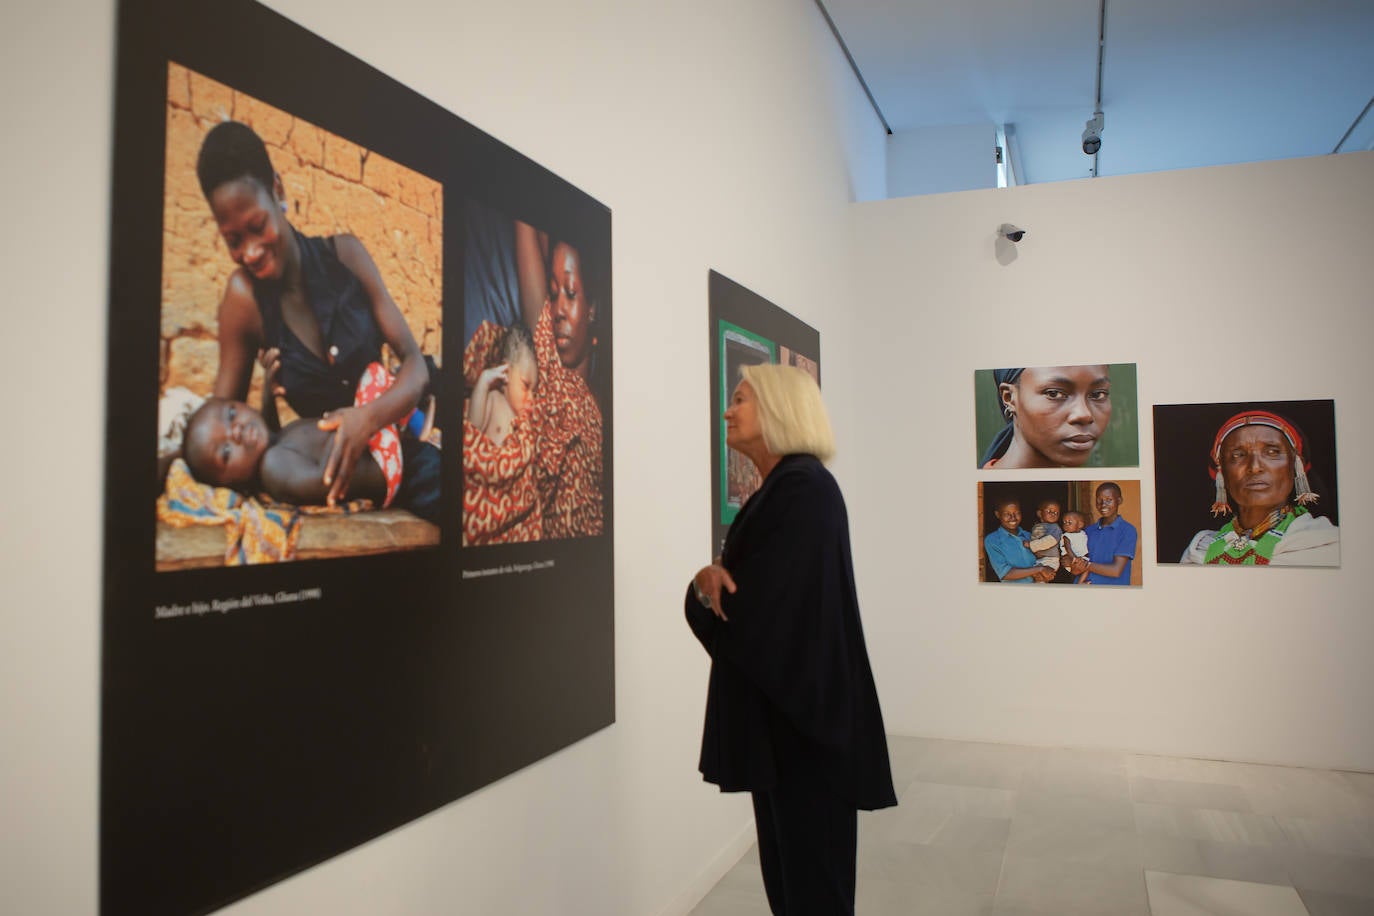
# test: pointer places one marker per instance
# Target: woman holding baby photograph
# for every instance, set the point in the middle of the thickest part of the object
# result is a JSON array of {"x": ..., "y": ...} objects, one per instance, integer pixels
[
  {"x": 314, "y": 311},
  {"x": 561, "y": 293}
]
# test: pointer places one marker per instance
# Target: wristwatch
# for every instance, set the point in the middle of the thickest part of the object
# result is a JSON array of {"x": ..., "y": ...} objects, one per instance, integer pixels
[{"x": 702, "y": 597}]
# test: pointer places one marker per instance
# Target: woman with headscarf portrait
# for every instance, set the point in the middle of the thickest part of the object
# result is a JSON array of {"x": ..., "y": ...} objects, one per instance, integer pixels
[{"x": 1054, "y": 416}]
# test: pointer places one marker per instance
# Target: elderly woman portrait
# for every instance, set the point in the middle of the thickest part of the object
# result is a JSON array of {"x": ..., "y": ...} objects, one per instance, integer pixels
[
  {"x": 1261, "y": 464},
  {"x": 792, "y": 713},
  {"x": 1056, "y": 416}
]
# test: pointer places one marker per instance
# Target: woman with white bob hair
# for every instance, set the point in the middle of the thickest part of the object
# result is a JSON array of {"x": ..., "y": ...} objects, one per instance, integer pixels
[{"x": 792, "y": 712}]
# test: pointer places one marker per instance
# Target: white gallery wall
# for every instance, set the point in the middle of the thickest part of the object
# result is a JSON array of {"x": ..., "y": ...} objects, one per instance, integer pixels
[
  {"x": 722, "y": 135},
  {"x": 924, "y": 160},
  {"x": 1246, "y": 282}
]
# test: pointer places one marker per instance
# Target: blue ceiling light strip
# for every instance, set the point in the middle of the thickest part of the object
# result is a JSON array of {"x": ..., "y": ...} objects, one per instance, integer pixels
[
  {"x": 1353, "y": 124},
  {"x": 1101, "y": 52},
  {"x": 853, "y": 66}
]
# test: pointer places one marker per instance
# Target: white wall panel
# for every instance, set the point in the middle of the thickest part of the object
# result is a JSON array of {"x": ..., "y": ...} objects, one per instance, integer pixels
[{"x": 1223, "y": 284}]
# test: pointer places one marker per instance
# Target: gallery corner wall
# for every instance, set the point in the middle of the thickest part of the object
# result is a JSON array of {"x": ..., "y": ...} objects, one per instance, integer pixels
[
  {"x": 722, "y": 136},
  {"x": 730, "y": 136},
  {"x": 1232, "y": 283}
]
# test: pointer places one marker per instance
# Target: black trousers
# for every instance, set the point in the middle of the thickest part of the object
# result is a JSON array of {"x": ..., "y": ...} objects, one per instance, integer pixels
[{"x": 807, "y": 839}]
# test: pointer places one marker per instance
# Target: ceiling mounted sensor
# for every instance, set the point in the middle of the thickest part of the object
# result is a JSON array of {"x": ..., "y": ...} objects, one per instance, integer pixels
[{"x": 1092, "y": 134}]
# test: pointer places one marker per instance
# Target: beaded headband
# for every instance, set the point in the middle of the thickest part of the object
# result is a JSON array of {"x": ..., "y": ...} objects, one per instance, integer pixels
[{"x": 1301, "y": 465}]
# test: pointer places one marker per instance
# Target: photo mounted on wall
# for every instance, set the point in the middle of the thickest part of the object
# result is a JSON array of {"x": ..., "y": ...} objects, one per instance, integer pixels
[
  {"x": 739, "y": 348},
  {"x": 1249, "y": 483},
  {"x": 1063, "y": 532},
  {"x": 302, "y": 283},
  {"x": 746, "y": 329},
  {"x": 535, "y": 375},
  {"x": 299, "y": 653},
  {"x": 1057, "y": 417},
  {"x": 790, "y": 357}
]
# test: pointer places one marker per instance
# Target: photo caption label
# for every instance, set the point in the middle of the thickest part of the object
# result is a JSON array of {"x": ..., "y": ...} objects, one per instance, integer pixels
[
  {"x": 507, "y": 569},
  {"x": 225, "y": 605}
]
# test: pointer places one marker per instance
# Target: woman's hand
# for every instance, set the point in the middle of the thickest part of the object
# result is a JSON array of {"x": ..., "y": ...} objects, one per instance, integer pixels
[
  {"x": 270, "y": 360},
  {"x": 709, "y": 582},
  {"x": 352, "y": 428},
  {"x": 1044, "y": 574},
  {"x": 1079, "y": 566}
]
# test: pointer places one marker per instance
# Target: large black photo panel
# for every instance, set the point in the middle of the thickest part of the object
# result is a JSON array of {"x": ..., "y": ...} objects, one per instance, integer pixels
[
  {"x": 745, "y": 329},
  {"x": 359, "y": 492}
]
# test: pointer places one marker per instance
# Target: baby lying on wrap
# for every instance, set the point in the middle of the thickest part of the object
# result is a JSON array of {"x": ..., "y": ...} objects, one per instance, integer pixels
[{"x": 229, "y": 444}]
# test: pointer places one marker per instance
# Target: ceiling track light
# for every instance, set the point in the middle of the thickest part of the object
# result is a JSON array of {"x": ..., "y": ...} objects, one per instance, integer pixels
[{"x": 1092, "y": 130}]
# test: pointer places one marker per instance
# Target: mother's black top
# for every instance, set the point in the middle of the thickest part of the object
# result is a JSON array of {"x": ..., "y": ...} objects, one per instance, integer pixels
[
  {"x": 790, "y": 679},
  {"x": 314, "y": 385}
]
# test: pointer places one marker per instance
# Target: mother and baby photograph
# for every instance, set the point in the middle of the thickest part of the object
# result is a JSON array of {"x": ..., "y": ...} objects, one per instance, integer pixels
[
  {"x": 301, "y": 335},
  {"x": 536, "y": 377}
]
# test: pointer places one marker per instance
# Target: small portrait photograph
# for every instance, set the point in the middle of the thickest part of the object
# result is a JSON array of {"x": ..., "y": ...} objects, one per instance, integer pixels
[
  {"x": 789, "y": 357},
  {"x": 1062, "y": 532},
  {"x": 301, "y": 330},
  {"x": 1249, "y": 483},
  {"x": 1057, "y": 417},
  {"x": 536, "y": 381},
  {"x": 740, "y": 348}
]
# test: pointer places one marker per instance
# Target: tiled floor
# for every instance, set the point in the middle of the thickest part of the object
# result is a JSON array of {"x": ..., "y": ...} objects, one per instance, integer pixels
[{"x": 997, "y": 830}]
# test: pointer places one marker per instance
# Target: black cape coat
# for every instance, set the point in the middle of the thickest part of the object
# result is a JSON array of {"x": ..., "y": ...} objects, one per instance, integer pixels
[{"x": 790, "y": 678}]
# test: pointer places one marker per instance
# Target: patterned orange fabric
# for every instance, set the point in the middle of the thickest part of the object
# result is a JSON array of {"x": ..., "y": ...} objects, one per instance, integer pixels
[
  {"x": 254, "y": 531},
  {"x": 257, "y": 529},
  {"x": 500, "y": 497},
  {"x": 385, "y": 444},
  {"x": 567, "y": 422}
]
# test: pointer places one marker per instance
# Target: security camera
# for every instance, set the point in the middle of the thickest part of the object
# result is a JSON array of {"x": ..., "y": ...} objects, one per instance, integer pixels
[
  {"x": 1092, "y": 134},
  {"x": 1007, "y": 230}
]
